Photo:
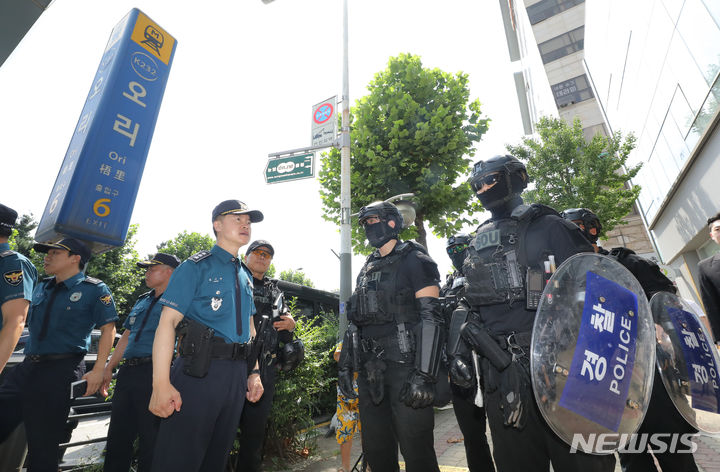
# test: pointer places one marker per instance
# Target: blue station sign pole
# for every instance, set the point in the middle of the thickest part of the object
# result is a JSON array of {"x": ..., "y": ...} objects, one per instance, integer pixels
[{"x": 94, "y": 193}]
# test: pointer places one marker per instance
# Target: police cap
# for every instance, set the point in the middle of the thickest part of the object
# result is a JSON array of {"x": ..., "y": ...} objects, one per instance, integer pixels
[
  {"x": 236, "y": 207},
  {"x": 260, "y": 243},
  {"x": 8, "y": 217},
  {"x": 72, "y": 245},
  {"x": 160, "y": 258}
]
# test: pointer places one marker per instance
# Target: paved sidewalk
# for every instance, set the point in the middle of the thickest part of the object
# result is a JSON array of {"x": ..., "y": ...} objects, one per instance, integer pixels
[{"x": 451, "y": 452}]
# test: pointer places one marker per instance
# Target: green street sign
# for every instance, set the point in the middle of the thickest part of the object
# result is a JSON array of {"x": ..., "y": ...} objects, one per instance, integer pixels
[{"x": 282, "y": 169}]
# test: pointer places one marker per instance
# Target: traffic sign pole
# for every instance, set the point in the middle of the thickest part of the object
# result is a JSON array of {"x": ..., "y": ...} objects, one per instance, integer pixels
[{"x": 345, "y": 247}]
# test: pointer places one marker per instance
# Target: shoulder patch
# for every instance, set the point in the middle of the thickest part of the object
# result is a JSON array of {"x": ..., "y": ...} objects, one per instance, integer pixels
[
  {"x": 106, "y": 299},
  {"x": 9, "y": 252},
  {"x": 92, "y": 280},
  {"x": 200, "y": 256},
  {"x": 14, "y": 277}
]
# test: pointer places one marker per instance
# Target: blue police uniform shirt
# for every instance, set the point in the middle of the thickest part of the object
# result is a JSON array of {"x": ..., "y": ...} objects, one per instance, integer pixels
[
  {"x": 205, "y": 292},
  {"x": 19, "y": 276},
  {"x": 142, "y": 326},
  {"x": 81, "y": 304}
]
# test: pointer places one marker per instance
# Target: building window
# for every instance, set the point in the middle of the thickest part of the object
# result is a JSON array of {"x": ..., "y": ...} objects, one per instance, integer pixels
[
  {"x": 544, "y": 9},
  {"x": 563, "y": 45},
  {"x": 572, "y": 91}
]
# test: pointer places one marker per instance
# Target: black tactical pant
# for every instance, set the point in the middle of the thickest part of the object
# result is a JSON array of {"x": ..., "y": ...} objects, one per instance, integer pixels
[
  {"x": 252, "y": 425},
  {"x": 39, "y": 395},
  {"x": 661, "y": 417},
  {"x": 392, "y": 423},
  {"x": 130, "y": 419},
  {"x": 471, "y": 420},
  {"x": 533, "y": 448},
  {"x": 198, "y": 438}
]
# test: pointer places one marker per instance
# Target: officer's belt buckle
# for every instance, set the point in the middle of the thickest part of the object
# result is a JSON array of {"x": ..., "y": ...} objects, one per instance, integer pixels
[{"x": 239, "y": 351}]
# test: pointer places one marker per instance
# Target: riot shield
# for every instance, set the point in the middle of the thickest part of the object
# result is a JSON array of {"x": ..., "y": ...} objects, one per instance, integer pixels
[
  {"x": 593, "y": 353},
  {"x": 687, "y": 361}
]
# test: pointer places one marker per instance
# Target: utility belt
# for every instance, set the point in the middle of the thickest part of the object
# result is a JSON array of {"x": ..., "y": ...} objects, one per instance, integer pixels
[
  {"x": 133, "y": 361},
  {"x": 198, "y": 345},
  {"x": 398, "y": 346},
  {"x": 34, "y": 358},
  {"x": 501, "y": 350}
]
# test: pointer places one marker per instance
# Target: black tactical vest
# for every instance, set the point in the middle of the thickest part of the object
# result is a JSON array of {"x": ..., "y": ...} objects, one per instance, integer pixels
[
  {"x": 496, "y": 263},
  {"x": 378, "y": 299}
]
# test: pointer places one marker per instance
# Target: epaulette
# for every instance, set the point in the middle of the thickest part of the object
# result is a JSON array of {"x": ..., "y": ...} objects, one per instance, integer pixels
[
  {"x": 9, "y": 252},
  {"x": 92, "y": 280},
  {"x": 200, "y": 256}
]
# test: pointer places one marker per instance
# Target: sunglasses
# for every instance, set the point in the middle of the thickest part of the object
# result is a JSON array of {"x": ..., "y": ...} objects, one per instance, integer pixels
[
  {"x": 262, "y": 253},
  {"x": 487, "y": 180},
  {"x": 456, "y": 249}
]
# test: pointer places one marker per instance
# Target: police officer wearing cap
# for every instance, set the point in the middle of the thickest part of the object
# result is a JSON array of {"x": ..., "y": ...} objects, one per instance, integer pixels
[
  {"x": 65, "y": 309},
  {"x": 271, "y": 332},
  {"x": 130, "y": 415},
  {"x": 394, "y": 340},
  {"x": 470, "y": 416},
  {"x": 500, "y": 309},
  {"x": 210, "y": 299},
  {"x": 19, "y": 277},
  {"x": 661, "y": 416}
]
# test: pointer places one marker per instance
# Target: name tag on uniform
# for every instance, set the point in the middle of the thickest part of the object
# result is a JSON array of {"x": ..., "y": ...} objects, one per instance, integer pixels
[
  {"x": 131, "y": 320},
  {"x": 488, "y": 239}
]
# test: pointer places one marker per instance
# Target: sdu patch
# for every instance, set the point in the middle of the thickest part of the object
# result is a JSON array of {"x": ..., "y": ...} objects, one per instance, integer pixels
[
  {"x": 14, "y": 277},
  {"x": 106, "y": 299}
]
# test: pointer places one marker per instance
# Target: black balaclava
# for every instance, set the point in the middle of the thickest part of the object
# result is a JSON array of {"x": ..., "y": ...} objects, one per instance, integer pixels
[
  {"x": 380, "y": 233},
  {"x": 504, "y": 196},
  {"x": 458, "y": 259}
]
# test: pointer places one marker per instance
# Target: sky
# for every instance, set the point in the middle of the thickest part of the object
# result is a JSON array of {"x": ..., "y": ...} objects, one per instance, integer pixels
[{"x": 242, "y": 85}]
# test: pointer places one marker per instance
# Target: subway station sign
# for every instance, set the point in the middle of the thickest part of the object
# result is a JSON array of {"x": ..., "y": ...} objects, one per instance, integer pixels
[{"x": 94, "y": 192}]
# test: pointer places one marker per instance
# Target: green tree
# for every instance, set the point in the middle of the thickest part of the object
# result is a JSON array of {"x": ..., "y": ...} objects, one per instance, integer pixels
[
  {"x": 186, "y": 244},
  {"x": 22, "y": 240},
  {"x": 414, "y": 132},
  {"x": 297, "y": 277},
  {"x": 118, "y": 269},
  {"x": 570, "y": 172}
]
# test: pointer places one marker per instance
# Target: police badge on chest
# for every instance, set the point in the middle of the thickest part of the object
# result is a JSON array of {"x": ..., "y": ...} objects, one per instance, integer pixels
[{"x": 215, "y": 303}]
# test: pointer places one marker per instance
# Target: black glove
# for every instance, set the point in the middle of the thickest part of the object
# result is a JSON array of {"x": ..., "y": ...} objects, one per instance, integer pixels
[
  {"x": 345, "y": 383},
  {"x": 514, "y": 396},
  {"x": 418, "y": 391},
  {"x": 461, "y": 372}
]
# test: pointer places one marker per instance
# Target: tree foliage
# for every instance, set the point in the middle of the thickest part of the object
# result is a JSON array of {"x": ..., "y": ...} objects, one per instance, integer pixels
[
  {"x": 118, "y": 269},
  {"x": 186, "y": 244},
  {"x": 297, "y": 277},
  {"x": 569, "y": 172},
  {"x": 413, "y": 132}
]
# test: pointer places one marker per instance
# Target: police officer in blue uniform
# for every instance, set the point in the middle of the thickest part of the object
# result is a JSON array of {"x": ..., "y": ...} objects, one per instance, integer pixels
[
  {"x": 19, "y": 277},
  {"x": 662, "y": 416},
  {"x": 394, "y": 340},
  {"x": 272, "y": 332},
  {"x": 130, "y": 415},
  {"x": 470, "y": 416},
  {"x": 65, "y": 309},
  {"x": 210, "y": 300},
  {"x": 507, "y": 250}
]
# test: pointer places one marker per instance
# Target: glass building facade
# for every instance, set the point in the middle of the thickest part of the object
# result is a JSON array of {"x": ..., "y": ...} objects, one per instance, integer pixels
[{"x": 654, "y": 66}]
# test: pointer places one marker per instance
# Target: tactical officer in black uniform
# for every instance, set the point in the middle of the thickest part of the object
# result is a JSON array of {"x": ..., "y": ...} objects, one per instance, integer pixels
[
  {"x": 470, "y": 416},
  {"x": 394, "y": 340},
  {"x": 508, "y": 249},
  {"x": 271, "y": 331},
  {"x": 661, "y": 416}
]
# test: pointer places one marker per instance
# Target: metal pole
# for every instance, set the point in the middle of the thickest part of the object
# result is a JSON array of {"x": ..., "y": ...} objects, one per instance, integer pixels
[{"x": 345, "y": 233}]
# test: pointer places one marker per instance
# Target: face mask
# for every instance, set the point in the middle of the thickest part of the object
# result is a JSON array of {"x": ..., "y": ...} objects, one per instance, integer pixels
[
  {"x": 458, "y": 259},
  {"x": 379, "y": 234},
  {"x": 495, "y": 196}
]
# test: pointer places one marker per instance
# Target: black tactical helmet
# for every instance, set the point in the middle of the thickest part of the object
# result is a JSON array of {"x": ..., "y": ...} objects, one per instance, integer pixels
[
  {"x": 588, "y": 218},
  {"x": 506, "y": 164},
  {"x": 384, "y": 210},
  {"x": 458, "y": 239},
  {"x": 291, "y": 355}
]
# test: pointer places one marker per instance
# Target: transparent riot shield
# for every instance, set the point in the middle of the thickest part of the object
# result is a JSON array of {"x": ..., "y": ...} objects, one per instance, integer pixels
[
  {"x": 593, "y": 353},
  {"x": 687, "y": 361}
]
